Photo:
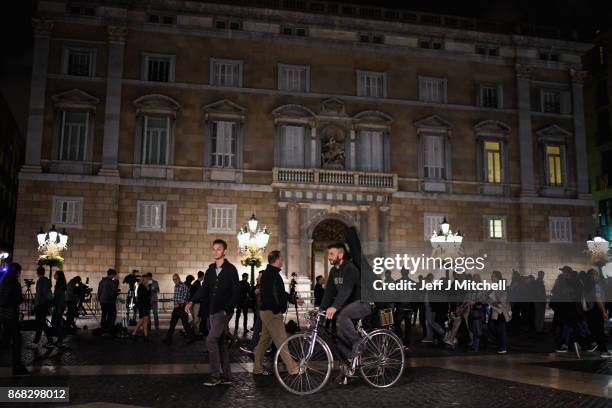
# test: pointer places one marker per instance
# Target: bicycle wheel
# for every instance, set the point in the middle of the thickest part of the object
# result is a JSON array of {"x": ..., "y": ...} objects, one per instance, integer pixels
[
  {"x": 313, "y": 373},
  {"x": 381, "y": 358}
]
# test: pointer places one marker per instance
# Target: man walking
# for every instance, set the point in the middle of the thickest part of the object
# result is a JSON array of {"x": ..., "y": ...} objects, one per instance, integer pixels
[
  {"x": 107, "y": 296},
  {"x": 218, "y": 297},
  {"x": 243, "y": 305},
  {"x": 273, "y": 306},
  {"x": 154, "y": 293},
  {"x": 42, "y": 301},
  {"x": 195, "y": 308},
  {"x": 181, "y": 295}
]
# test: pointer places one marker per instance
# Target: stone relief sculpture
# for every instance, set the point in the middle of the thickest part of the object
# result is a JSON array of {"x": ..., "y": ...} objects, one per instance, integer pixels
[{"x": 332, "y": 149}]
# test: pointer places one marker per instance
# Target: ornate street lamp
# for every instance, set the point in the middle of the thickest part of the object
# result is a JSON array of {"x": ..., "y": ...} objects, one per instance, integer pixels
[
  {"x": 445, "y": 240},
  {"x": 50, "y": 245},
  {"x": 3, "y": 257},
  {"x": 252, "y": 242},
  {"x": 598, "y": 249}
]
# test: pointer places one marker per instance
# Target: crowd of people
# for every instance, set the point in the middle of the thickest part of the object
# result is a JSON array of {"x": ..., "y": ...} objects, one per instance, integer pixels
[{"x": 208, "y": 303}]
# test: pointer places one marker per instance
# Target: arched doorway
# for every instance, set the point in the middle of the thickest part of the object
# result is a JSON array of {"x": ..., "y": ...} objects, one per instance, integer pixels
[{"x": 326, "y": 232}]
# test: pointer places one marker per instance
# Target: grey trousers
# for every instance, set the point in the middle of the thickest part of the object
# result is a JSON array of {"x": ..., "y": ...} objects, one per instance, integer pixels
[
  {"x": 345, "y": 329},
  {"x": 216, "y": 343}
]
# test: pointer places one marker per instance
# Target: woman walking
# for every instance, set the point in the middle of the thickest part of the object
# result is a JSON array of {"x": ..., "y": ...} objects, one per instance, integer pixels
[
  {"x": 143, "y": 304},
  {"x": 59, "y": 305}
]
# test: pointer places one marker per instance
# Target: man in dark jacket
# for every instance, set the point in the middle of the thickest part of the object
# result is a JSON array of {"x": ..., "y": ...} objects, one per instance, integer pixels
[
  {"x": 342, "y": 298},
  {"x": 243, "y": 305},
  {"x": 10, "y": 299},
  {"x": 108, "y": 289},
  {"x": 42, "y": 302},
  {"x": 273, "y": 306},
  {"x": 319, "y": 290},
  {"x": 218, "y": 297}
]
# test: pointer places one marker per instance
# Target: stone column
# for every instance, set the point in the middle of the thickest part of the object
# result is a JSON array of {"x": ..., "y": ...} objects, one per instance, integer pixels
[
  {"x": 523, "y": 74},
  {"x": 38, "y": 90},
  {"x": 582, "y": 174},
  {"x": 292, "y": 259},
  {"x": 352, "y": 150},
  {"x": 112, "y": 111},
  {"x": 313, "y": 147},
  {"x": 373, "y": 233}
]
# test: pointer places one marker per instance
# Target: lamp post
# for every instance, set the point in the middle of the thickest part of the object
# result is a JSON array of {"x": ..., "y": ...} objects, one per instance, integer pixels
[
  {"x": 252, "y": 242},
  {"x": 598, "y": 248},
  {"x": 50, "y": 245},
  {"x": 445, "y": 241},
  {"x": 3, "y": 257}
]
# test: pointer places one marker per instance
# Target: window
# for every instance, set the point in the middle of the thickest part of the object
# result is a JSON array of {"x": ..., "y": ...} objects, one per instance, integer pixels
[
  {"x": 151, "y": 216},
  {"x": 221, "y": 218},
  {"x": 496, "y": 227},
  {"x": 224, "y": 24},
  {"x": 372, "y": 38},
  {"x": 155, "y": 140},
  {"x": 226, "y": 72},
  {"x": 161, "y": 19},
  {"x": 79, "y": 10},
  {"x": 371, "y": 84},
  {"x": 73, "y": 136},
  {"x": 560, "y": 229},
  {"x": 551, "y": 102},
  {"x": 603, "y": 126},
  {"x": 432, "y": 224},
  {"x": 371, "y": 150},
  {"x": 294, "y": 78},
  {"x": 493, "y": 162},
  {"x": 431, "y": 44},
  {"x": 68, "y": 212},
  {"x": 487, "y": 50},
  {"x": 223, "y": 146},
  {"x": 432, "y": 89},
  {"x": 548, "y": 56},
  {"x": 294, "y": 31},
  {"x": 554, "y": 165},
  {"x": 158, "y": 68},
  {"x": 292, "y": 141},
  {"x": 433, "y": 156},
  {"x": 490, "y": 96},
  {"x": 79, "y": 62}
]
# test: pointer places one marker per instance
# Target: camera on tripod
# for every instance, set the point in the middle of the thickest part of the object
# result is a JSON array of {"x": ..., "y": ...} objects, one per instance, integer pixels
[{"x": 29, "y": 282}]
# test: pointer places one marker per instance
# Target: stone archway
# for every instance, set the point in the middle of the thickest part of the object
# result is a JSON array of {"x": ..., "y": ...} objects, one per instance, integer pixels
[{"x": 327, "y": 231}]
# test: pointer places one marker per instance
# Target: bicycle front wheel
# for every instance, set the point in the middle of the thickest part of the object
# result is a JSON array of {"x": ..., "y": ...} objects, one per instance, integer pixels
[
  {"x": 381, "y": 359},
  {"x": 314, "y": 372}
]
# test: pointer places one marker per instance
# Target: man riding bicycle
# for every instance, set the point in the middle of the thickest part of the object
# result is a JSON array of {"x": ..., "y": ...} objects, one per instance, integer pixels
[{"x": 342, "y": 298}]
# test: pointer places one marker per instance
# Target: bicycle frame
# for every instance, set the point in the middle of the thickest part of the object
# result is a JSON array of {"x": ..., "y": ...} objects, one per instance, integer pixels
[{"x": 315, "y": 333}]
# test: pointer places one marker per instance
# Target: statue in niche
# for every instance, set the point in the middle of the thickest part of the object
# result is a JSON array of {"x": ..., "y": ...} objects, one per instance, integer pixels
[{"x": 332, "y": 149}]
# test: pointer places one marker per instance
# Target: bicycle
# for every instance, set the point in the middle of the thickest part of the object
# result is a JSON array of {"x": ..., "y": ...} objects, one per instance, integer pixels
[{"x": 379, "y": 358}]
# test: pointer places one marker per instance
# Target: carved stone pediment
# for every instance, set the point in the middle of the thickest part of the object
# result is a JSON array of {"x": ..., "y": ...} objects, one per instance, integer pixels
[
  {"x": 373, "y": 117},
  {"x": 225, "y": 108},
  {"x": 492, "y": 127},
  {"x": 156, "y": 103},
  {"x": 333, "y": 107},
  {"x": 553, "y": 133},
  {"x": 433, "y": 122},
  {"x": 75, "y": 98},
  {"x": 293, "y": 111}
]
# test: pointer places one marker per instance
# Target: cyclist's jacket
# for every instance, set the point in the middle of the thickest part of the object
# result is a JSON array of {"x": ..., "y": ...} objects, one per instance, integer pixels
[{"x": 343, "y": 286}]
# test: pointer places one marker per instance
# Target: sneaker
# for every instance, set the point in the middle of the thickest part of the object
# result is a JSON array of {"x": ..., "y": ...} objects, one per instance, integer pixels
[
  {"x": 247, "y": 350},
  {"x": 213, "y": 382},
  {"x": 263, "y": 372},
  {"x": 592, "y": 347},
  {"x": 606, "y": 354},
  {"x": 504, "y": 351},
  {"x": 427, "y": 341},
  {"x": 562, "y": 349}
]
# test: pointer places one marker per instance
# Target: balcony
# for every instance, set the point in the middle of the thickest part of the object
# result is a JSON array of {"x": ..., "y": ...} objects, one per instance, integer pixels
[{"x": 336, "y": 178}]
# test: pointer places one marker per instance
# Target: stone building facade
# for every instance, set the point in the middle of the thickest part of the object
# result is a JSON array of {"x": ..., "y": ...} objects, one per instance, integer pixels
[{"x": 155, "y": 129}]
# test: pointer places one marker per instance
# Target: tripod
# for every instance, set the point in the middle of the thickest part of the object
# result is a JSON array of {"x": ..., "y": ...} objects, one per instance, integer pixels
[{"x": 28, "y": 300}]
